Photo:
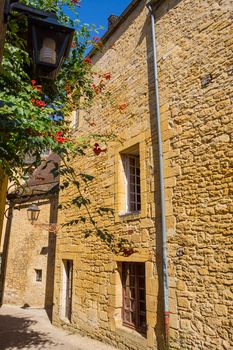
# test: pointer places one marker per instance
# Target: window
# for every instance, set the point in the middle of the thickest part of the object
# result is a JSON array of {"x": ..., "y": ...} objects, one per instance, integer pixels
[
  {"x": 76, "y": 119},
  {"x": 134, "y": 296},
  {"x": 131, "y": 166},
  {"x": 67, "y": 289},
  {"x": 38, "y": 275},
  {"x": 45, "y": 154}
]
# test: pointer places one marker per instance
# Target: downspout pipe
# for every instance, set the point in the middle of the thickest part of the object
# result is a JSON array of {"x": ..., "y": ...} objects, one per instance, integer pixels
[{"x": 161, "y": 175}]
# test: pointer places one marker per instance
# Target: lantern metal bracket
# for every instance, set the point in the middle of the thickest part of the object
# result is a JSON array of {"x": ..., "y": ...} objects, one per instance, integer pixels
[{"x": 27, "y": 10}]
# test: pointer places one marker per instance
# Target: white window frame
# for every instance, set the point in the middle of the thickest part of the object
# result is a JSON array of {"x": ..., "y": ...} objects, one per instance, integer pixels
[
  {"x": 126, "y": 165},
  {"x": 76, "y": 119}
]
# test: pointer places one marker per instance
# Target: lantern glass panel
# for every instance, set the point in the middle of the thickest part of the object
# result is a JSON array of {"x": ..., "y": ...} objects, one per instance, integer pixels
[
  {"x": 33, "y": 212},
  {"x": 50, "y": 43}
]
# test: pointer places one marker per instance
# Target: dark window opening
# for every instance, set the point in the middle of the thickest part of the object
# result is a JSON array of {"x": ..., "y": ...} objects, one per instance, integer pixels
[
  {"x": 38, "y": 275},
  {"x": 134, "y": 296},
  {"x": 69, "y": 280}
]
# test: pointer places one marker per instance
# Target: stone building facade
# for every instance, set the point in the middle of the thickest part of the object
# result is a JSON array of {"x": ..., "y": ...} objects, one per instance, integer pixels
[
  {"x": 118, "y": 297},
  {"x": 28, "y": 248}
]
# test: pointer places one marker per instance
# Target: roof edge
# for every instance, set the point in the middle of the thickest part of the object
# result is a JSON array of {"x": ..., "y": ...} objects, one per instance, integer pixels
[{"x": 125, "y": 14}]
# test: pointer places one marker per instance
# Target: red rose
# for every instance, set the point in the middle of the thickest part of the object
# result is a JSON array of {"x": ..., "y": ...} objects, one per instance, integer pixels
[
  {"x": 97, "y": 150},
  {"x": 60, "y": 139},
  {"x": 96, "y": 38},
  {"x": 88, "y": 60},
  {"x": 107, "y": 75}
]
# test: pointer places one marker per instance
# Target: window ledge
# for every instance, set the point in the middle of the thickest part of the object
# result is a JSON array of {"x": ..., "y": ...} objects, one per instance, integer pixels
[
  {"x": 65, "y": 320},
  {"x": 130, "y": 216},
  {"x": 132, "y": 334}
]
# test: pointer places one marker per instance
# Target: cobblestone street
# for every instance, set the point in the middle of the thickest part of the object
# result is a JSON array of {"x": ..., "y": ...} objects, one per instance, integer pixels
[{"x": 31, "y": 329}]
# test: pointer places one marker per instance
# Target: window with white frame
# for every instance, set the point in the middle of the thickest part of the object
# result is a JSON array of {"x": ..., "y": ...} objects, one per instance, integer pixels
[
  {"x": 134, "y": 296},
  {"x": 131, "y": 174},
  {"x": 76, "y": 119}
]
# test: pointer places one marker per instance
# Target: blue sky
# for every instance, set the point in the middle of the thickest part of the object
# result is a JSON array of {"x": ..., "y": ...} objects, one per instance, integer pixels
[{"x": 97, "y": 11}]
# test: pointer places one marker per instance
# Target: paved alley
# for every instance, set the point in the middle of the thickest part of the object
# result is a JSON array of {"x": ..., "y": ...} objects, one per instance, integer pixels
[{"x": 31, "y": 329}]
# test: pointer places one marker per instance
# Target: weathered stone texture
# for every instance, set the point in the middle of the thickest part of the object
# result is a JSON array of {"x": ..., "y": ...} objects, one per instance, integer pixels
[
  {"x": 195, "y": 81},
  {"x": 28, "y": 250},
  {"x": 192, "y": 48}
]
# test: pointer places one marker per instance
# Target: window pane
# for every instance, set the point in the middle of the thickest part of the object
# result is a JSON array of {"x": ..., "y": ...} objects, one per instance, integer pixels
[
  {"x": 132, "y": 292},
  {"x": 142, "y": 295},
  {"x": 132, "y": 162},
  {"x": 142, "y": 322},
  {"x": 132, "y": 197},
  {"x": 127, "y": 303},
  {"x": 133, "y": 307},
  {"x": 141, "y": 282},
  {"x": 132, "y": 187},
  {"x": 132, "y": 281},
  {"x": 133, "y": 316},
  {"x": 132, "y": 179},
  {"x": 127, "y": 316},
  {"x": 142, "y": 308},
  {"x": 133, "y": 207}
]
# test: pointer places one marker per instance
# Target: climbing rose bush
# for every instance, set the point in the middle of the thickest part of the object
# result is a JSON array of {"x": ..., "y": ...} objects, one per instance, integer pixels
[{"x": 34, "y": 113}]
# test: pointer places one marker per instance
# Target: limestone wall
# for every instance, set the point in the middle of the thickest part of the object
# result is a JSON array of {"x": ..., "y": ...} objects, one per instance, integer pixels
[
  {"x": 195, "y": 76},
  {"x": 28, "y": 251},
  {"x": 195, "y": 83}
]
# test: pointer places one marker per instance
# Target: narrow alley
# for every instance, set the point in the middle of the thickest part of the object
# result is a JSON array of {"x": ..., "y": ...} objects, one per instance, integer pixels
[{"x": 31, "y": 329}]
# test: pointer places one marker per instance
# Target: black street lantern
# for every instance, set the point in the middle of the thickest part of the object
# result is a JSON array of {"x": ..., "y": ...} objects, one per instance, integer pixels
[
  {"x": 33, "y": 212},
  {"x": 50, "y": 44},
  {"x": 49, "y": 41}
]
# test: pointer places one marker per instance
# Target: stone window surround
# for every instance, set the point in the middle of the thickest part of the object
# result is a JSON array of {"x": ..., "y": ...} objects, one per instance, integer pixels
[
  {"x": 119, "y": 177},
  {"x": 116, "y": 322},
  {"x": 38, "y": 275}
]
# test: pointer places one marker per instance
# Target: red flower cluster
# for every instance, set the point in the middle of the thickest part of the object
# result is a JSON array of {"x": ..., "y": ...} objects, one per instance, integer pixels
[
  {"x": 36, "y": 87},
  {"x": 107, "y": 75},
  {"x": 76, "y": 2},
  {"x": 96, "y": 88},
  {"x": 97, "y": 41},
  {"x": 100, "y": 44},
  {"x": 96, "y": 38},
  {"x": 38, "y": 103},
  {"x": 59, "y": 138},
  {"x": 97, "y": 149},
  {"x": 123, "y": 106},
  {"x": 67, "y": 88},
  {"x": 128, "y": 251},
  {"x": 88, "y": 60}
]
